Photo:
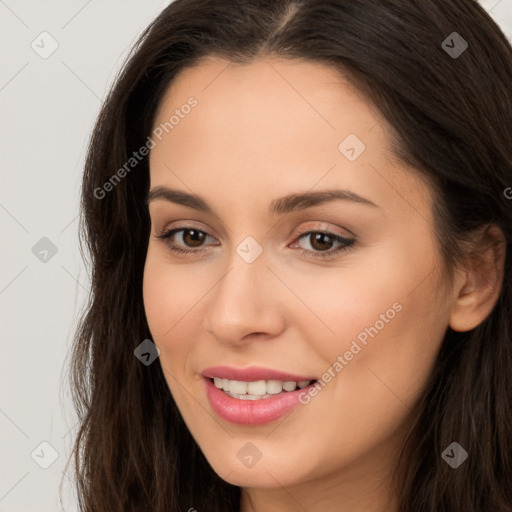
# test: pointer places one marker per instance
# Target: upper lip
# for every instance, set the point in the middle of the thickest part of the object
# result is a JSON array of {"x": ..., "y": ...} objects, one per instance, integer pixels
[{"x": 252, "y": 374}]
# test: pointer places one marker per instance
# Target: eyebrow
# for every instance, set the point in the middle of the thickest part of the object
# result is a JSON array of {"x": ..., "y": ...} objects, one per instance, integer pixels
[{"x": 286, "y": 204}]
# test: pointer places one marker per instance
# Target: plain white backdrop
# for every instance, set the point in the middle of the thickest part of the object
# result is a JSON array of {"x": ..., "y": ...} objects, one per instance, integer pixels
[{"x": 59, "y": 59}]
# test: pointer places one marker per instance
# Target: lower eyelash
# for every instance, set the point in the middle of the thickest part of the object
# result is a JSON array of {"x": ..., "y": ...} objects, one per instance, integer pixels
[
  {"x": 347, "y": 244},
  {"x": 183, "y": 251}
]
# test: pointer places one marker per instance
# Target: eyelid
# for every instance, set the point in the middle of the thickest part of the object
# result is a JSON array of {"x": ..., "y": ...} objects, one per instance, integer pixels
[
  {"x": 187, "y": 224},
  {"x": 324, "y": 227},
  {"x": 319, "y": 226}
]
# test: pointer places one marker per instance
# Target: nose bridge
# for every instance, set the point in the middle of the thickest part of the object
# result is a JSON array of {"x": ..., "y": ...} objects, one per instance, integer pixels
[{"x": 241, "y": 302}]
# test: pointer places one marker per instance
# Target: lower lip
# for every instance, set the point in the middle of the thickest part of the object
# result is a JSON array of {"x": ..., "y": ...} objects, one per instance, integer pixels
[{"x": 251, "y": 412}]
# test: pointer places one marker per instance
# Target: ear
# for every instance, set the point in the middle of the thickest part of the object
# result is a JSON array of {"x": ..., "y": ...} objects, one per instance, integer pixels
[{"x": 479, "y": 280}]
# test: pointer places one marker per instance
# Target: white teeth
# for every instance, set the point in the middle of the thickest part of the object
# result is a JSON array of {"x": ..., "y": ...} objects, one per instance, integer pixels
[
  {"x": 289, "y": 385},
  {"x": 258, "y": 389},
  {"x": 238, "y": 387},
  {"x": 274, "y": 387}
]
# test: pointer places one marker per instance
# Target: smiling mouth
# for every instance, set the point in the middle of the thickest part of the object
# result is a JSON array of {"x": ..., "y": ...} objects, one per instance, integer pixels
[{"x": 257, "y": 390}]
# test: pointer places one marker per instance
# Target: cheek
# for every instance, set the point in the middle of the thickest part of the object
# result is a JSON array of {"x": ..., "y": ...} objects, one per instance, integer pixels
[
  {"x": 172, "y": 305},
  {"x": 385, "y": 377},
  {"x": 384, "y": 319},
  {"x": 170, "y": 295},
  {"x": 382, "y": 297}
]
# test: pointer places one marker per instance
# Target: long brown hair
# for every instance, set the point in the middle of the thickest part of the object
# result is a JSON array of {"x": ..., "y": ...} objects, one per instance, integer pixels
[{"x": 452, "y": 117}]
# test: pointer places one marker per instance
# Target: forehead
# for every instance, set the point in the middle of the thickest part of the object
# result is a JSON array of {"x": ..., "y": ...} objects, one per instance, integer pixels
[
  {"x": 269, "y": 94},
  {"x": 277, "y": 121}
]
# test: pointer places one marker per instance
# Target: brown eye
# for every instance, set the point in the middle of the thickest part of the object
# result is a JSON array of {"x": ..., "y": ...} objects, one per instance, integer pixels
[
  {"x": 321, "y": 241},
  {"x": 322, "y": 244},
  {"x": 193, "y": 237},
  {"x": 186, "y": 240}
]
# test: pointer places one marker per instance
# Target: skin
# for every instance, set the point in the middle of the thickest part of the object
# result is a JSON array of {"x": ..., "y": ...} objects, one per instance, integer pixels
[{"x": 261, "y": 131}]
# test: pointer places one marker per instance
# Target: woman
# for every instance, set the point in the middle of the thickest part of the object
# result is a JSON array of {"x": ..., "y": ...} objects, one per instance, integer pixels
[{"x": 298, "y": 215}]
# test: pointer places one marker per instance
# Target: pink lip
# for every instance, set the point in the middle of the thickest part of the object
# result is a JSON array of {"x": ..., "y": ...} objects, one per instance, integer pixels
[
  {"x": 251, "y": 412},
  {"x": 251, "y": 374}
]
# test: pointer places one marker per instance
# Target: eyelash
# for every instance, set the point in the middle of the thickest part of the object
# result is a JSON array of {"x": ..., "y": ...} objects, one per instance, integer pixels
[{"x": 347, "y": 243}]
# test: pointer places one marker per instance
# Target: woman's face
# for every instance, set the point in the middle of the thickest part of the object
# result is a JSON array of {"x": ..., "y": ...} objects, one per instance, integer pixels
[{"x": 342, "y": 288}]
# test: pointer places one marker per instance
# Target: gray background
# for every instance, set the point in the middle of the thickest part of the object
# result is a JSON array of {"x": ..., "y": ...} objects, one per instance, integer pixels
[{"x": 48, "y": 107}]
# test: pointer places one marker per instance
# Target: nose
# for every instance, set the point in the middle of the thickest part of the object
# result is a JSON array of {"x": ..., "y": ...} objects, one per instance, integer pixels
[{"x": 245, "y": 305}]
